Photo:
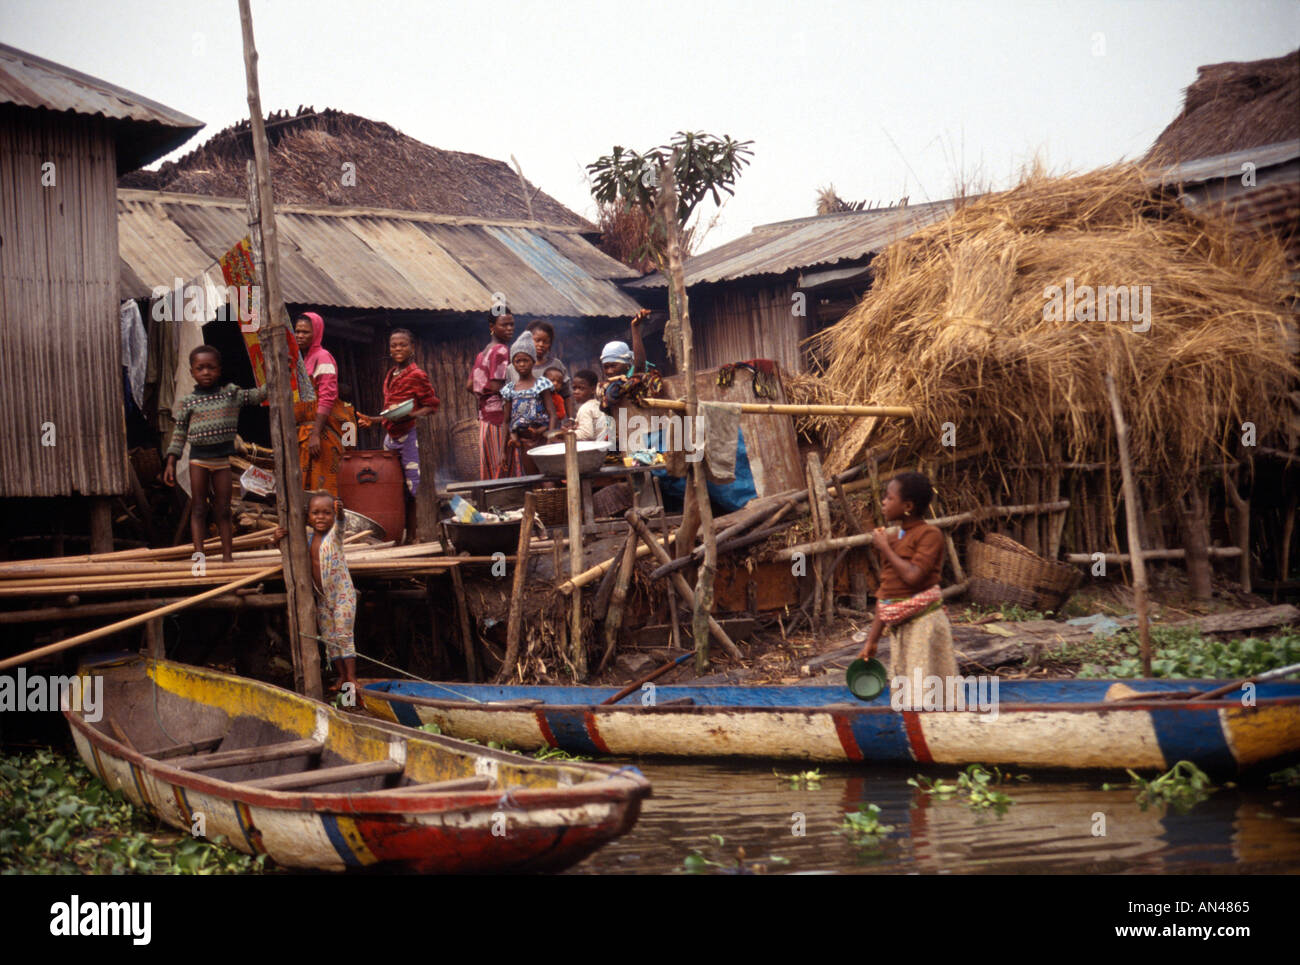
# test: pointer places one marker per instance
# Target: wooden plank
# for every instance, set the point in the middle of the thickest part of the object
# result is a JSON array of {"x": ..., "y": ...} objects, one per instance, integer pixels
[
  {"x": 249, "y": 755},
  {"x": 325, "y": 775},
  {"x": 439, "y": 787},
  {"x": 185, "y": 749}
]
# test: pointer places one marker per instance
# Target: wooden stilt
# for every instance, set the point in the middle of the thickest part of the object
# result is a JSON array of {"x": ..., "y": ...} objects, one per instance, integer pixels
[
  {"x": 1132, "y": 513},
  {"x": 101, "y": 524},
  {"x": 573, "y": 485},
  {"x": 614, "y": 616},
  {"x": 514, "y": 621},
  {"x": 1242, "y": 506}
]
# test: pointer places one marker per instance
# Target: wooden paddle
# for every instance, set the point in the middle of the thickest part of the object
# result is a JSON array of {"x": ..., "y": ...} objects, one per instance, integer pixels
[
  {"x": 647, "y": 678},
  {"x": 1209, "y": 694}
]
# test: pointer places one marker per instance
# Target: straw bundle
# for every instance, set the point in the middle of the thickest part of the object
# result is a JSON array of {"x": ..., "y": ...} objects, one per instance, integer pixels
[{"x": 958, "y": 324}]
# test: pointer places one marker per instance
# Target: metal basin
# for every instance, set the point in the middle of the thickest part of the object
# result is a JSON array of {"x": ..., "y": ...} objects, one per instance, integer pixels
[{"x": 550, "y": 457}]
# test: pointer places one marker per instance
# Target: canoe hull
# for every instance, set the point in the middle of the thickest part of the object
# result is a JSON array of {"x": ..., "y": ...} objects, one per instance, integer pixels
[
  {"x": 493, "y": 831},
  {"x": 1218, "y": 736}
]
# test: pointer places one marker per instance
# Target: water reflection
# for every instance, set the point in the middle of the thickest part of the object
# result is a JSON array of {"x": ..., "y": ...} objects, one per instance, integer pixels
[{"x": 1059, "y": 823}]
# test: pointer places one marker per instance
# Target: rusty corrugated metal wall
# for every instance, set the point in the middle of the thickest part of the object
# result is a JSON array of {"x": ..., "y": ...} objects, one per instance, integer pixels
[
  {"x": 60, "y": 344},
  {"x": 733, "y": 323}
]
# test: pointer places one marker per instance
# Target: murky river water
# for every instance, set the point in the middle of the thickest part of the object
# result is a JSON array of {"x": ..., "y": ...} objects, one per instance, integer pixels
[{"x": 1050, "y": 827}]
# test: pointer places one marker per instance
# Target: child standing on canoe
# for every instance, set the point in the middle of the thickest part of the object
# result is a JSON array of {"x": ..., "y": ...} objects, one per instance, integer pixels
[
  {"x": 209, "y": 419},
  {"x": 336, "y": 597},
  {"x": 909, "y": 605}
]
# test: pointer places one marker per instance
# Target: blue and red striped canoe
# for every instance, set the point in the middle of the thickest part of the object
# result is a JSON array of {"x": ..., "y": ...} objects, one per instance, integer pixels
[{"x": 1033, "y": 723}]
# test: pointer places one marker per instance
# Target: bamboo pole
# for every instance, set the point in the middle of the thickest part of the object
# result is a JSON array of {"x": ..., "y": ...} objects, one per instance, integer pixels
[
  {"x": 824, "y": 511},
  {"x": 134, "y": 621},
  {"x": 290, "y": 504},
  {"x": 790, "y": 408},
  {"x": 514, "y": 619},
  {"x": 1131, "y": 514},
  {"x": 864, "y": 539},
  {"x": 161, "y": 553},
  {"x": 573, "y": 487},
  {"x": 683, "y": 588}
]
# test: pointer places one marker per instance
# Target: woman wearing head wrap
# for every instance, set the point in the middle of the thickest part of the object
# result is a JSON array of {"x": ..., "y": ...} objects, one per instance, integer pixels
[{"x": 320, "y": 423}]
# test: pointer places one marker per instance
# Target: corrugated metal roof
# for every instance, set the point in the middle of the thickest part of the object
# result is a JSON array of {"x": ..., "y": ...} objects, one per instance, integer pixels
[
  {"x": 376, "y": 258},
  {"x": 775, "y": 249},
  {"x": 1229, "y": 165},
  {"x": 146, "y": 130}
]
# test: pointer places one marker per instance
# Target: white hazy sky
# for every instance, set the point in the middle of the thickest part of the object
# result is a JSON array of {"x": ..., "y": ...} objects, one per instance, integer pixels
[{"x": 883, "y": 99}]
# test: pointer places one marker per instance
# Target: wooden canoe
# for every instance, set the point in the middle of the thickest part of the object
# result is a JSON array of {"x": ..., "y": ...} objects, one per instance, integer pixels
[
  {"x": 310, "y": 786},
  {"x": 1038, "y": 723}
]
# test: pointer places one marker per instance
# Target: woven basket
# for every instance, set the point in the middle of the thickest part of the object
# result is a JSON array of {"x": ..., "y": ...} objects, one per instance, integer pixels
[
  {"x": 1007, "y": 572},
  {"x": 464, "y": 447},
  {"x": 552, "y": 506},
  {"x": 988, "y": 592}
]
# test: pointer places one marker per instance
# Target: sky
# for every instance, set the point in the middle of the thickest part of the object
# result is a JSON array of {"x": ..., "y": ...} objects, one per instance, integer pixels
[{"x": 880, "y": 99}]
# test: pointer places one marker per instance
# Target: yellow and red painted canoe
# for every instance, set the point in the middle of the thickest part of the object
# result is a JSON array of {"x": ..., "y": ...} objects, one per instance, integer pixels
[
  {"x": 311, "y": 786},
  {"x": 1036, "y": 724}
]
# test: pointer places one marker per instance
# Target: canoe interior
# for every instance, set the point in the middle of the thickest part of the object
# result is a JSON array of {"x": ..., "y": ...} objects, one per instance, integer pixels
[
  {"x": 183, "y": 716},
  {"x": 1070, "y": 691}
]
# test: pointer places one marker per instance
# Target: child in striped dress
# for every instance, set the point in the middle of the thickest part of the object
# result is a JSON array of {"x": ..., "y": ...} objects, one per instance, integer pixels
[
  {"x": 209, "y": 419},
  {"x": 336, "y": 597}
]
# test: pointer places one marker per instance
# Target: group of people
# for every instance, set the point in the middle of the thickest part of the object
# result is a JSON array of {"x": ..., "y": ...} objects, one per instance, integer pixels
[{"x": 518, "y": 408}]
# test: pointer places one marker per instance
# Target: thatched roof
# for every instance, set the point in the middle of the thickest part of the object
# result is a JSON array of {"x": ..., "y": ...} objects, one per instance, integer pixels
[
  {"x": 959, "y": 325},
  {"x": 309, "y": 149},
  {"x": 1232, "y": 106}
]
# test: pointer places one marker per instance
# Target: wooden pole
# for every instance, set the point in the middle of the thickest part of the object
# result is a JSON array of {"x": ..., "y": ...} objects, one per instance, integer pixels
[
  {"x": 101, "y": 524},
  {"x": 614, "y": 618},
  {"x": 514, "y": 621},
  {"x": 290, "y": 504},
  {"x": 426, "y": 497},
  {"x": 1242, "y": 506},
  {"x": 1131, "y": 516},
  {"x": 573, "y": 487},
  {"x": 666, "y": 211},
  {"x": 134, "y": 621}
]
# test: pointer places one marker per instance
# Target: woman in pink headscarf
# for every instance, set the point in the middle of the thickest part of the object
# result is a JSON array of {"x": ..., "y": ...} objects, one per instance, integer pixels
[{"x": 320, "y": 423}]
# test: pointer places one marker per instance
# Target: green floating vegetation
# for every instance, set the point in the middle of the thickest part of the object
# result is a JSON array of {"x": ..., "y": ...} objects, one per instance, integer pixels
[
  {"x": 699, "y": 860},
  {"x": 1182, "y": 652},
  {"x": 1287, "y": 777},
  {"x": 1007, "y": 612},
  {"x": 1182, "y": 788},
  {"x": 57, "y": 818},
  {"x": 977, "y": 783},
  {"x": 808, "y": 780},
  {"x": 863, "y": 825}
]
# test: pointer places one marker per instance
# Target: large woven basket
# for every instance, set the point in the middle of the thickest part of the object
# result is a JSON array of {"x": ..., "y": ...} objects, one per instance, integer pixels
[
  {"x": 1003, "y": 571},
  {"x": 552, "y": 506},
  {"x": 464, "y": 447}
]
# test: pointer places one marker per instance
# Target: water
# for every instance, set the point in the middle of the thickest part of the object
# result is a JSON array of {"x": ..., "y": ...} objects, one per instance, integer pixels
[{"x": 1049, "y": 829}]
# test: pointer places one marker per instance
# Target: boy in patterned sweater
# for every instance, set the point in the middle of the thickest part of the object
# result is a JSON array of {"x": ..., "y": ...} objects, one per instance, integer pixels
[{"x": 209, "y": 419}]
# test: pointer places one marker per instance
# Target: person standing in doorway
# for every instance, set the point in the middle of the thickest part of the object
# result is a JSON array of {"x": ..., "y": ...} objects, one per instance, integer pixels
[{"x": 488, "y": 375}]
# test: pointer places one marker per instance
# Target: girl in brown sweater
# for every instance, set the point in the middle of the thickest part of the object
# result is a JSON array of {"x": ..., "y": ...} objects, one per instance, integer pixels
[{"x": 908, "y": 603}]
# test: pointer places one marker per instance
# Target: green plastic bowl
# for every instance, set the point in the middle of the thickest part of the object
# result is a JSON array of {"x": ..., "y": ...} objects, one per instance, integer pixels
[{"x": 866, "y": 678}]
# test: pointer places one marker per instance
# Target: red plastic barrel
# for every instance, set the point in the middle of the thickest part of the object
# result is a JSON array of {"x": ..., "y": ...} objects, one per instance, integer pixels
[{"x": 371, "y": 483}]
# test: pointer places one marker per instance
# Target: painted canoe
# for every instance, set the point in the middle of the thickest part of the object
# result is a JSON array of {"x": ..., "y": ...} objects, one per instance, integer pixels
[
  {"x": 1032, "y": 723},
  {"x": 310, "y": 786}
]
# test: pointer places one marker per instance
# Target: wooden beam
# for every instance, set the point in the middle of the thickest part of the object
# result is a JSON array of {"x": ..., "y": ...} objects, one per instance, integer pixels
[{"x": 573, "y": 488}]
